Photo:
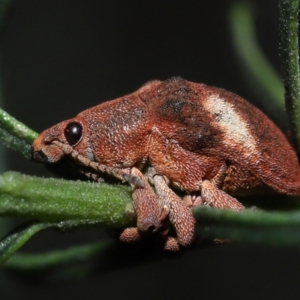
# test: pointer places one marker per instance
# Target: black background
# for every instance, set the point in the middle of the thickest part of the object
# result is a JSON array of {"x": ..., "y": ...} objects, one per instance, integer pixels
[{"x": 59, "y": 57}]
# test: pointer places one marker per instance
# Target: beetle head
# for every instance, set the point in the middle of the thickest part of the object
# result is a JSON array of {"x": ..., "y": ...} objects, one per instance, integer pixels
[{"x": 69, "y": 133}]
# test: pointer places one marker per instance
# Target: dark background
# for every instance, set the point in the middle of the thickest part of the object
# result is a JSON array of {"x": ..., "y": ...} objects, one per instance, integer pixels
[{"x": 60, "y": 57}]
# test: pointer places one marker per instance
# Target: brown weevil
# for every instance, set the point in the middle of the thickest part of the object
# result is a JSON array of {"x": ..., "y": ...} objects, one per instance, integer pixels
[{"x": 207, "y": 142}]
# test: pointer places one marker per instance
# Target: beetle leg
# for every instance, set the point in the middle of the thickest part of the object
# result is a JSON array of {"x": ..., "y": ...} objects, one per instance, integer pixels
[
  {"x": 195, "y": 199},
  {"x": 180, "y": 215},
  {"x": 115, "y": 172},
  {"x": 220, "y": 176},
  {"x": 213, "y": 196},
  {"x": 192, "y": 200},
  {"x": 94, "y": 176},
  {"x": 150, "y": 213}
]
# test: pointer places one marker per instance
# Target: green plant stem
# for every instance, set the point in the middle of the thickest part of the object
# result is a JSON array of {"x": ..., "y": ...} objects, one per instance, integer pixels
[
  {"x": 16, "y": 239},
  {"x": 52, "y": 200},
  {"x": 16, "y": 128},
  {"x": 251, "y": 226},
  {"x": 15, "y": 134},
  {"x": 71, "y": 204},
  {"x": 275, "y": 228},
  {"x": 11, "y": 243},
  {"x": 254, "y": 60},
  {"x": 35, "y": 262},
  {"x": 289, "y": 53}
]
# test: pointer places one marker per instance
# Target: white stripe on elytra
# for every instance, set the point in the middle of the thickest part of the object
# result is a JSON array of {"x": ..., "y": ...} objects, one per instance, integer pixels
[{"x": 235, "y": 128}]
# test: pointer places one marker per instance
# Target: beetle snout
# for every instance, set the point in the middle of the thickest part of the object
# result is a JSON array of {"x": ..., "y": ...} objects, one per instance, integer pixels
[{"x": 38, "y": 156}]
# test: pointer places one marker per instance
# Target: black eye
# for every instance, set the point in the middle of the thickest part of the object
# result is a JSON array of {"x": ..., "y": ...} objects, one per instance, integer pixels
[{"x": 73, "y": 133}]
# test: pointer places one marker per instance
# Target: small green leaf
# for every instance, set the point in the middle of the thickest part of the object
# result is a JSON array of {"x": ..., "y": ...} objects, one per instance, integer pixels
[{"x": 13, "y": 241}]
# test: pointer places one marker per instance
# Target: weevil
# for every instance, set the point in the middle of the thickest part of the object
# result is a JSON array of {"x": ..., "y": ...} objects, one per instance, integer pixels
[{"x": 205, "y": 141}]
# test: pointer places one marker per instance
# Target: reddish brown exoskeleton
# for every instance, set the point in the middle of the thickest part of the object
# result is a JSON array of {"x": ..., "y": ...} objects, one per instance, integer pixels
[{"x": 204, "y": 141}]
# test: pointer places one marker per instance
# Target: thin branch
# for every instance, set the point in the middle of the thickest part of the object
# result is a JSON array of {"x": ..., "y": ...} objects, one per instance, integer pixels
[
  {"x": 16, "y": 128},
  {"x": 254, "y": 61},
  {"x": 276, "y": 228},
  {"x": 36, "y": 262},
  {"x": 289, "y": 53},
  {"x": 15, "y": 134}
]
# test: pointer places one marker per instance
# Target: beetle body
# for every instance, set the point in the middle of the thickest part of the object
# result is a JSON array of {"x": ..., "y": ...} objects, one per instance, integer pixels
[{"x": 202, "y": 140}]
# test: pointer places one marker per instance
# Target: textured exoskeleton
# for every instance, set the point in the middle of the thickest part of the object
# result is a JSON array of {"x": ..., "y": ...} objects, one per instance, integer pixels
[{"x": 205, "y": 141}]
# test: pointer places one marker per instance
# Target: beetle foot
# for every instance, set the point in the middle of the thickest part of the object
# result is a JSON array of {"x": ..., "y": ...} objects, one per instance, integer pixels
[
  {"x": 180, "y": 215},
  {"x": 172, "y": 244},
  {"x": 130, "y": 235},
  {"x": 192, "y": 200},
  {"x": 212, "y": 196},
  {"x": 149, "y": 210},
  {"x": 155, "y": 213}
]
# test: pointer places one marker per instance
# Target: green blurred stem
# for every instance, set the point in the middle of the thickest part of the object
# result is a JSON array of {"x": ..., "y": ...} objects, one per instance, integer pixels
[
  {"x": 276, "y": 228},
  {"x": 35, "y": 262},
  {"x": 11, "y": 243},
  {"x": 254, "y": 60},
  {"x": 289, "y": 53}
]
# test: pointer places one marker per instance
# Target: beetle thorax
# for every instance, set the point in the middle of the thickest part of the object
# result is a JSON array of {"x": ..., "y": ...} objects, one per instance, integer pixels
[{"x": 118, "y": 133}]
